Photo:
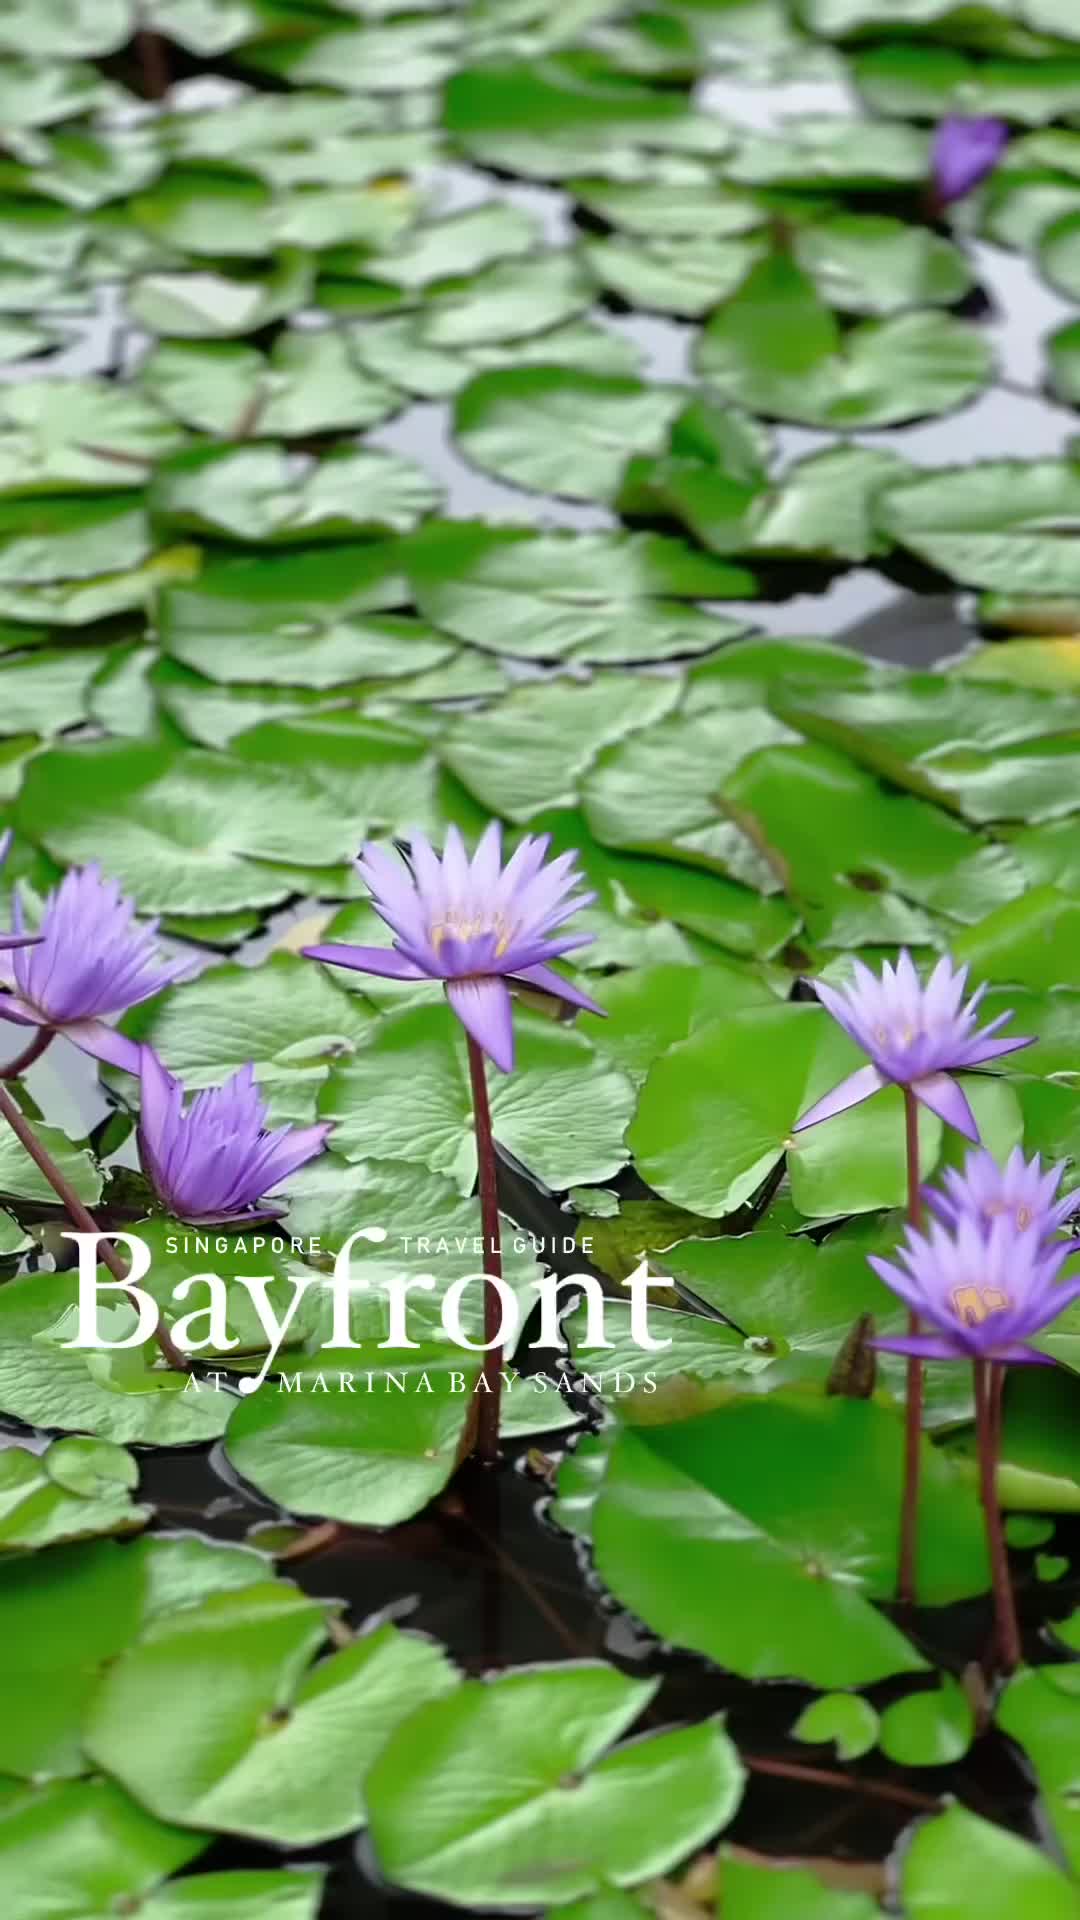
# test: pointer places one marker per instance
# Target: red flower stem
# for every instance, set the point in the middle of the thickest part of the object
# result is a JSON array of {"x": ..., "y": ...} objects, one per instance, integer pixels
[
  {"x": 81, "y": 1217},
  {"x": 913, "y": 1408},
  {"x": 487, "y": 1431},
  {"x": 997, "y": 1396},
  {"x": 1007, "y": 1633},
  {"x": 153, "y": 64},
  {"x": 42, "y": 1038}
]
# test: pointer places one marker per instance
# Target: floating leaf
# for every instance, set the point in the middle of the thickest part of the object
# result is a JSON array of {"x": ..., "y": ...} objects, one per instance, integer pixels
[
  {"x": 285, "y": 1752},
  {"x": 561, "y": 432},
  {"x": 930, "y": 1729},
  {"x": 547, "y": 1815},
  {"x": 776, "y": 348},
  {"x": 594, "y": 597},
  {"x": 405, "y": 1096},
  {"x": 845, "y": 1720},
  {"x": 704, "y": 1506}
]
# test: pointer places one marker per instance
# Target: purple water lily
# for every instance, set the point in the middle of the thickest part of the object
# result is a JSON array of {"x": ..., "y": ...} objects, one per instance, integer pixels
[
  {"x": 917, "y": 1036},
  {"x": 964, "y": 152},
  {"x": 478, "y": 928},
  {"x": 90, "y": 962},
  {"x": 985, "y": 1292},
  {"x": 213, "y": 1163},
  {"x": 1021, "y": 1191}
]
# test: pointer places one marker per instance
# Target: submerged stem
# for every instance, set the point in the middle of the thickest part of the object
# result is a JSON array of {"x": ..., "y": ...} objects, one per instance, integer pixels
[
  {"x": 81, "y": 1216},
  {"x": 1007, "y": 1632},
  {"x": 487, "y": 1434},
  {"x": 913, "y": 1406}
]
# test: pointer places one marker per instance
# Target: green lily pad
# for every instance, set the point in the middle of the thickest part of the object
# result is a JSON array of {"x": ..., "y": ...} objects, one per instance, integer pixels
[
  {"x": 253, "y": 494},
  {"x": 1040, "y": 1710},
  {"x": 309, "y": 382},
  {"x": 77, "y": 1489},
  {"x": 777, "y": 348},
  {"x": 238, "y": 640},
  {"x": 1029, "y": 943},
  {"x": 87, "y": 1846},
  {"x": 562, "y": 1112},
  {"x": 284, "y": 1755},
  {"x": 186, "y": 832},
  {"x": 703, "y": 1505},
  {"x": 22, "y": 1179},
  {"x": 753, "y": 1890},
  {"x": 288, "y": 1016},
  {"x": 1012, "y": 1875},
  {"x": 285, "y": 1895},
  {"x": 50, "y": 688},
  {"x": 1003, "y": 524},
  {"x": 718, "y": 1110},
  {"x": 74, "y": 436},
  {"x": 546, "y": 1816},
  {"x": 930, "y": 1729},
  {"x": 80, "y": 1606},
  {"x": 535, "y": 744},
  {"x": 561, "y": 432},
  {"x": 44, "y": 541},
  {"x": 570, "y": 113},
  {"x": 599, "y": 597},
  {"x": 397, "y": 349},
  {"x": 208, "y": 305},
  {"x": 370, "y": 1454},
  {"x": 844, "y": 1720},
  {"x": 120, "y": 1395}
]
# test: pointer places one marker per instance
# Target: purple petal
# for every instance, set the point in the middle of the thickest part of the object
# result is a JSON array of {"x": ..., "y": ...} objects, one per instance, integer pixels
[
  {"x": 548, "y": 981},
  {"x": 943, "y": 1096},
  {"x": 964, "y": 152},
  {"x": 922, "y": 1346},
  {"x": 382, "y": 960},
  {"x": 485, "y": 1010},
  {"x": 10, "y": 940},
  {"x": 858, "y": 1086},
  {"x": 12, "y": 1008},
  {"x": 104, "y": 1043}
]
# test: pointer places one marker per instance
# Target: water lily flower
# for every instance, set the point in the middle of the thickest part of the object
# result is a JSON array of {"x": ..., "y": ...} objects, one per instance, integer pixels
[
  {"x": 917, "y": 1036},
  {"x": 964, "y": 152},
  {"x": 90, "y": 962},
  {"x": 478, "y": 928},
  {"x": 1020, "y": 1191},
  {"x": 984, "y": 1293},
  {"x": 213, "y": 1163}
]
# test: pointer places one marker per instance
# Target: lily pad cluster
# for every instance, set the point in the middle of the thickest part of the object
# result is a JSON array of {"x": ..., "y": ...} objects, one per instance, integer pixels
[{"x": 413, "y": 418}]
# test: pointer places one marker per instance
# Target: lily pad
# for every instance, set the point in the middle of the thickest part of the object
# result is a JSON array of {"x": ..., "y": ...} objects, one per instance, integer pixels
[
  {"x": 703, "y": 1506},
  {"x": 405, "y": 1096},
  {"x": 76, "y": 1489},
  {"x": 284, "y": 1755},
  {"x": 546, "y": 1817},
  {"x": 561, "y": 432},
  {"x": 777, "y": 348},
  {"x": 593, "y": 597}
]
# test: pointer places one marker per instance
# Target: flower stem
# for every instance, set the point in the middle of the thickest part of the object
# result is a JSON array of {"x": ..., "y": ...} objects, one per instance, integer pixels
[
  {"x": 42, "y": 1038},
  {"x": 1007, "y": 1633},
  {"x": 487, "y": 1434},
  {"x": 81, "y": 1216},
  {"x": 913, "y": 1407}
]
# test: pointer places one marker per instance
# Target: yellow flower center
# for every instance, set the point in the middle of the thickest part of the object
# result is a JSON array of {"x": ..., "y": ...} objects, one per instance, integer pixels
[
  {"x": 457, "y": 927},
  {"x": 973, "y": 1305}
]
